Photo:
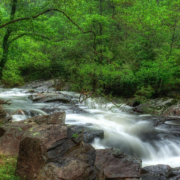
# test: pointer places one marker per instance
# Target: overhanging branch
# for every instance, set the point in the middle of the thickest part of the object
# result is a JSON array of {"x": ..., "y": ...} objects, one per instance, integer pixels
[
  {"x": 32, "y": 34},
  {"x": 46, "y": 11},
  {"x": 56, "y": 10}
]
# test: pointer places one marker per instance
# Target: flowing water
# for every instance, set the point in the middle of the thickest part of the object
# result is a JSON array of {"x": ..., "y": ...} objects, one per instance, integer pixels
[{"x": 133, "y": 134}]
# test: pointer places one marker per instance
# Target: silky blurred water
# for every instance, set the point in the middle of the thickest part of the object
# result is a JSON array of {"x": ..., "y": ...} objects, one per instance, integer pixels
[{"x": 134, "y": 134}]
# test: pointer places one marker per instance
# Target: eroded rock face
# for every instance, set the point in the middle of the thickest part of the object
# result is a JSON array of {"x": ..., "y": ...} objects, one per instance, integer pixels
[
  {"x": 12, "y": 133},
  {"x": 54, "y": 152},
  {"x": 113, "y": 164}
]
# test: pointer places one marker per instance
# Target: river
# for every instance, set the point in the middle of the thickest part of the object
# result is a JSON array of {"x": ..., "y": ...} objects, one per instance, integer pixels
[{"x": 133, "y": 134}]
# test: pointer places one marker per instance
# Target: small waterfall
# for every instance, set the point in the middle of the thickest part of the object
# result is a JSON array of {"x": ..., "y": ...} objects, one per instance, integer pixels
[{"x": 133, "y": 134}]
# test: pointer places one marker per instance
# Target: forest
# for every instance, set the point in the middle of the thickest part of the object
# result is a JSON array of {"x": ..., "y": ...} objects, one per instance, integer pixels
[
  {"x": 89, "y": 89},
  {"x": 119, "y": 47}
]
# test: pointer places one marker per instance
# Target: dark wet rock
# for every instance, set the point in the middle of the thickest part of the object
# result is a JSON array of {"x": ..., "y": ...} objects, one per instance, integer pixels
[
  {"x": 52, "y": 152},
  {"x": 133, "y": 102},
  {"x": 163, "y": 170},
  {"x": 12, "y": 133},
  {"x": 116, "y": 165},
  {"x": 2, "y": 113},
  {"x": 4, "y": 116},
  {"x": 49, "y": 97},
  {"x": 68, "y": 107},
  {"x": 152, "y": 176},
  {"x": 176, "y": 171},
  {"x": 39, "y": 84},
  {"x": 31, "y": 91},
  {"x": 175, "y": 178},
  {"x": 90, "y": 135},
  {"x": 156, "y": 106},
  {"x": 52, "y": 110},
  {"x": 33, "y": 113},
  {"x": 160, "y": 172}
]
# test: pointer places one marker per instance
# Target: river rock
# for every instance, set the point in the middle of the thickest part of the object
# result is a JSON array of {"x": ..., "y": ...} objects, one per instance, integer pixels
[
  {"x": 113, "y": 164},
  {"x": 49, "y": 97},
  {"x": 10, "y": 137},
  {"x": 39, "y": 84},
  {"x": 4, "y": 116},
  {"x": 12, "y": 133},
  {"x": 172, "y": 111},
  {"x": 160, "y": 172},
  {"x": 156, "y": 106},
  {"x": 90, "y": 135},
  {"x": 50, "y": 152}
]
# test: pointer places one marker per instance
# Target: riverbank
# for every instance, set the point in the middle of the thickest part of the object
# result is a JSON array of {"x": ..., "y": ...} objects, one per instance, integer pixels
[
  {"x": 154, "y": 139},
  {"x": 8, "y": 167}
]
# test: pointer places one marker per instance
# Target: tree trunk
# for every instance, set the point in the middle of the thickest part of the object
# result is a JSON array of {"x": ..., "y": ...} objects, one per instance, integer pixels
[
  {"x": 5, "y": 51},
  {"x": 6, "y": 38}
]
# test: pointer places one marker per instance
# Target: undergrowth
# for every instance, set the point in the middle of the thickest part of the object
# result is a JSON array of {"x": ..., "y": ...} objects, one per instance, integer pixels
[{"x": 8, "y": 167}]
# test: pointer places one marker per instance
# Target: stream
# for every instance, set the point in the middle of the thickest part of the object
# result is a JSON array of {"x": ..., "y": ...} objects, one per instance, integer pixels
[{"x": 133, "y": 134}]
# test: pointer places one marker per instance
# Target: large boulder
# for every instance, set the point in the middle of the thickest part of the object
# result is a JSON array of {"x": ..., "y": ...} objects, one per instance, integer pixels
[
  {"x": 115, "y": 165},
  {"x": 156, "y": 106},
  {"x": 52, "y": 152},
  {"x": 12, "y": 133},
  {"x": 49, "y": 97},
  {"x": 10, "y": 137}
]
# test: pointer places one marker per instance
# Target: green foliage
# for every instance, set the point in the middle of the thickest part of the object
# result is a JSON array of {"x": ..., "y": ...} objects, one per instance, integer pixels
[
  {"x": 144, "y": 93},
  {"x": 8, "y": 167},
  {"x": 75, "y": 135},
  {"x": 135, "y": 53},
  {"x": 12, "y": 78}
]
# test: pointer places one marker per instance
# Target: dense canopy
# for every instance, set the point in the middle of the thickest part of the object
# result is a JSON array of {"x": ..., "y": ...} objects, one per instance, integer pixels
[{"x": 123, "y": 47}]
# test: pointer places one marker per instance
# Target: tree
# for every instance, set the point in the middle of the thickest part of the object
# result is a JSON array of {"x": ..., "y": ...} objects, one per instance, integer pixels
[{"x": 7, "y": 40}]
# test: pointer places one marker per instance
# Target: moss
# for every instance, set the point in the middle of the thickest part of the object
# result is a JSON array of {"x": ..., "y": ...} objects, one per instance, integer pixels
[
  {"x": 173, "y": 102},
  {"x": 8, "y": 167}
]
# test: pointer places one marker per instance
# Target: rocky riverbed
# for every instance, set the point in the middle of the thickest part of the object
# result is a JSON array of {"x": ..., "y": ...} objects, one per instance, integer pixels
[{"x": 150, "y": 138}]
